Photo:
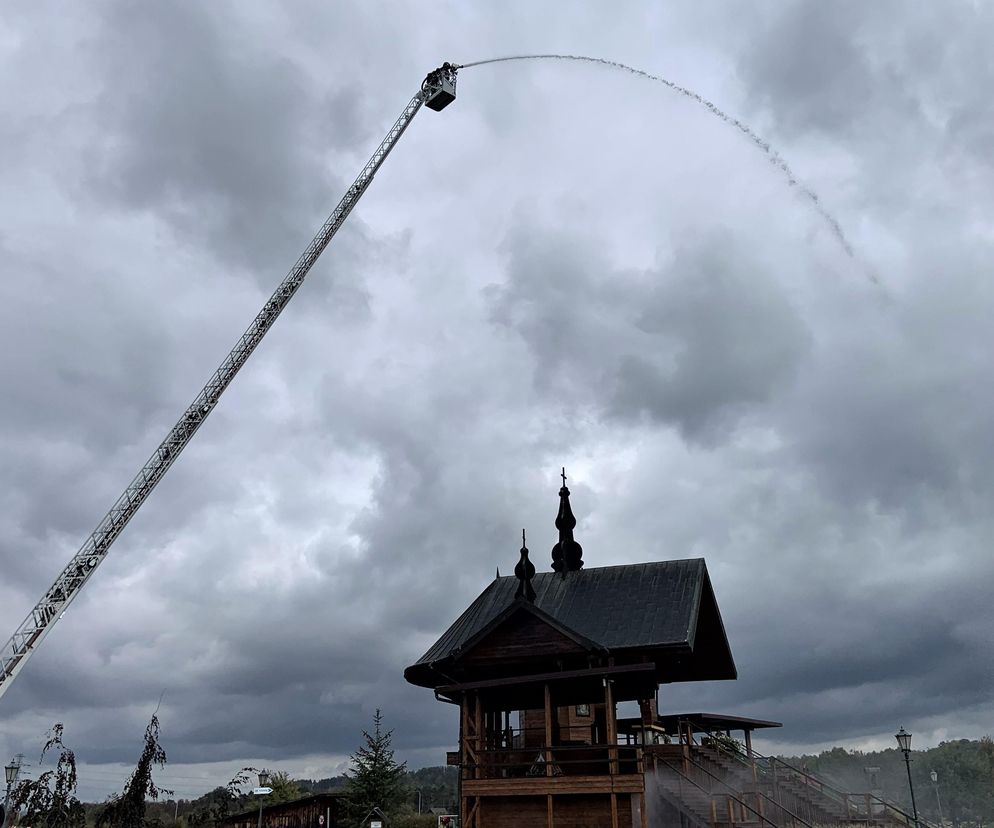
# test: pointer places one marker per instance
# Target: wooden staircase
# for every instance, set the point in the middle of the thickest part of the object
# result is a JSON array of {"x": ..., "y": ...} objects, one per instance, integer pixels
[{"x": 707, "y": 786}]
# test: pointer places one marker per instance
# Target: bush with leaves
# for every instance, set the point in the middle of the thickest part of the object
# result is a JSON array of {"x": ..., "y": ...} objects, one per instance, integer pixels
[
  {"x": 50, "y": 800},
  {"x": 728, "y": 744}
]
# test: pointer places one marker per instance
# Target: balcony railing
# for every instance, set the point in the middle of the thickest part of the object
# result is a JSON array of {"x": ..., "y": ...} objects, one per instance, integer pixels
[{"x": 554, "y": 760}]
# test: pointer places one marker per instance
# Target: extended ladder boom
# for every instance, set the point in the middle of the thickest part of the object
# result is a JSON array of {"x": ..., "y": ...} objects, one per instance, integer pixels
[{"x": 437, "y": 90}]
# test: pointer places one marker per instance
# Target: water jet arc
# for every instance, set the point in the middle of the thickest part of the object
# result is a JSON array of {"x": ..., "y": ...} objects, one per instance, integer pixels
[{"x": 771, "y": 154}]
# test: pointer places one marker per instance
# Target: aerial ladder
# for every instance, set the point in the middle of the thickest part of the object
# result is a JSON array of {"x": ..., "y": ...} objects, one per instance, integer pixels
[{"x": 437, "y": 91}]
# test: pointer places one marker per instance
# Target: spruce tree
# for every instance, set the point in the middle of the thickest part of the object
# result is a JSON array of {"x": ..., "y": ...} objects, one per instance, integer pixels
[{"x": 375, "y": 778}]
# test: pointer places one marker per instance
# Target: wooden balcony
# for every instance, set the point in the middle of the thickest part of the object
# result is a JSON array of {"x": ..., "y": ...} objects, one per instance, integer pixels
[
  {"x": 631, "y": 783},
  {"x": 556, "y": 769}
]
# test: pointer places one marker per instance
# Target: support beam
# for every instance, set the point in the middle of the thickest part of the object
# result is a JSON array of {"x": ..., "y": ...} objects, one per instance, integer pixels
[
  {"x": 548, "y": 731},
  {"x": 612, "y": 728},
  {"x": 478, "y": 724}
]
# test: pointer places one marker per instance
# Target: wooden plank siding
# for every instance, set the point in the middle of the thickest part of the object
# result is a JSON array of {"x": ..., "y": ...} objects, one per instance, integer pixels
[
  {"x": 631, "y": 783},
  {"x": 517, "y": 640},
  {"x": 555, "y": 812}
]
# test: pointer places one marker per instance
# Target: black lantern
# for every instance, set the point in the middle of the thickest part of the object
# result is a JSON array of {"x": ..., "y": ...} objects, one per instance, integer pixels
[
  {"x": 904, "y": 742},
  {"x": 262, "y": 790},
  {"x": 11, "y": 773}
]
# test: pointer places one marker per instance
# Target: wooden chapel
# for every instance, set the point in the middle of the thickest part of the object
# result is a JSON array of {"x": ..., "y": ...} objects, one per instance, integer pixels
[{"x": 538, "y": 664}]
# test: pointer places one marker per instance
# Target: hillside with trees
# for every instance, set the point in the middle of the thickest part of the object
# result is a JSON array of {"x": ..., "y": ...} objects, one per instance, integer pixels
[
  {"x": 961, "y": 796},
  {"x": 963, "y": 791}
]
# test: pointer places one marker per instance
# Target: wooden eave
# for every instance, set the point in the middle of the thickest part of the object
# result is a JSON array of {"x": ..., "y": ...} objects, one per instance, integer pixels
[{"x": 642, "y": 675}]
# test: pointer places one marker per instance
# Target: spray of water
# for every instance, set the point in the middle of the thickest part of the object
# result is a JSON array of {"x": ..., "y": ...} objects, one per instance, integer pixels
[{"x": 772, "y": 155}]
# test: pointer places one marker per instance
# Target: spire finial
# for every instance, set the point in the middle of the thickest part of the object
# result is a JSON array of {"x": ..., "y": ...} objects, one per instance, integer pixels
[
  {"x": 567, "y": 555},
  {"x": 525, "y": 571}
]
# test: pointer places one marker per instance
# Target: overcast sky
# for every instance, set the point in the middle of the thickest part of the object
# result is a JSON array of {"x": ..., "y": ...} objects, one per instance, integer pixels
[{"x": 570, "y": 266}]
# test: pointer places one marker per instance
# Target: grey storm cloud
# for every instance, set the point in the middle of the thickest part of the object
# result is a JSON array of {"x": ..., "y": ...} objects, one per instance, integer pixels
[
  {"x": 707, "y": 336},
  {"x": 569, "y": 266},
  {"x": 216, "y": 136}
]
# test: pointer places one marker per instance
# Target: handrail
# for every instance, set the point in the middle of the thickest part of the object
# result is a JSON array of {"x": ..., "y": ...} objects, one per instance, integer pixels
[
  {"x": 736, "y": 795},
  {"x": 680, "y": 802},
  {"x": 602, "y": 759},
  {"x": 844, "y": 798},
  {"x": 744, "y": 759},
  {"x": 758, "y": 792}
]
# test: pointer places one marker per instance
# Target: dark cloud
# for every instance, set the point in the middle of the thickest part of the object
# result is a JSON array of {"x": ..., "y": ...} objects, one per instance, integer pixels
[
  {"x": 694, "y": 343},
  {"x": 216, "y": 132}
]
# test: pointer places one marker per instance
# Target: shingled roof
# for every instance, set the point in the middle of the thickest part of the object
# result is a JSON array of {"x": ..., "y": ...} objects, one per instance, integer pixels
[{"x": 647, "y": 608}]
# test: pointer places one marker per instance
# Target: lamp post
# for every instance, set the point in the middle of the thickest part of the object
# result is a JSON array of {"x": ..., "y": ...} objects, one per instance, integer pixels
[
  {"x": 904, "y": 742},
  {"x": 935, "y": 784},
  {"x": 263, "y": 783},
  {"x": 419, "y": 799},
  {"x": 10, "y": 773}
]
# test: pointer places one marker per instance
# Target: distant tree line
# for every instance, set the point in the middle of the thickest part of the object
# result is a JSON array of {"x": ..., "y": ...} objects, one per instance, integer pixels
[
  {"x": 374, "y": 780},
  {"x": 964, "y": 790}
]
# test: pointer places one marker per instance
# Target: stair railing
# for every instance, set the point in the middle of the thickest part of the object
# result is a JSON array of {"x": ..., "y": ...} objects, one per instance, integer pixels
[
  {"x": 680, "y": 801},
  {"x": 711, "y": 781},
  {"x": 850, "y": 802}
]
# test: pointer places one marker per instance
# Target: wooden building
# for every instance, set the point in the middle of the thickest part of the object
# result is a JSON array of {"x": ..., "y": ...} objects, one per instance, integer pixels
[
  {"x": 538, "y": 664},
  {"x": 324, "y": 810}
]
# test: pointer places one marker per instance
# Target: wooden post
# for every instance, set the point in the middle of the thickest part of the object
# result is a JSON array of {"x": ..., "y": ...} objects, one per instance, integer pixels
[
  {"x": 463, "y": 756},
  {"x": 614, "y": 810},
  {"x": 750, "y": 754},
  {"x": 468, "y": 748},
  {"x": 612, "y": 728},
  {"x": 548, "y": 810},
  {"x": 471, "y": 816},
  {"x": 645, "y": 817},
  {"x": 548, "y": 730},
  {"x": 776, "y": 786},
  {"x": 755, "y": 776},
  {"x": 478, "y": 725}
]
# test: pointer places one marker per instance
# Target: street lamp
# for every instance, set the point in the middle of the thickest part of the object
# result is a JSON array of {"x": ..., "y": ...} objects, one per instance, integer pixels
[
  {"x": 904, "y": 742},
  {"x": 935, "y": 784},
  {"x": 262, "y": 790},
  {"x": 10, "y": 773}
]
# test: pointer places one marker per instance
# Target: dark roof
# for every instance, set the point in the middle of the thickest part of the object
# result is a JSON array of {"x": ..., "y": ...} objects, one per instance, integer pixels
[
  {"x": 703, "y": 722},
  {"x": 645, "y": 606},
  {"x": 323, "y": 798}
]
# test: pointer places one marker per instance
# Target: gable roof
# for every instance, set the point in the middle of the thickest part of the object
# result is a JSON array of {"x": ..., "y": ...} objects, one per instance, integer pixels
[
  {"x": 647, "y": 606},
  {"x": 505, "y": 617}
]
